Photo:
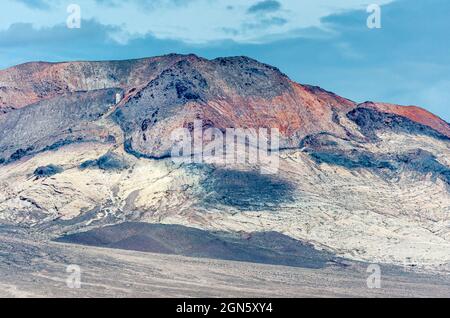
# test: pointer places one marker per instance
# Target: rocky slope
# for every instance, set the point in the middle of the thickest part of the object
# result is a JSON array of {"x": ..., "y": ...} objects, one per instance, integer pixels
[
  {"x": 33, "y": 82},
  {"x": 368, "y": 182}
]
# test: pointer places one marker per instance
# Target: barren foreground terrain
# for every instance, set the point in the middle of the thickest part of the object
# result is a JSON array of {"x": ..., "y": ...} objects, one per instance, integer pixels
[{"x": 31, "y": 268}]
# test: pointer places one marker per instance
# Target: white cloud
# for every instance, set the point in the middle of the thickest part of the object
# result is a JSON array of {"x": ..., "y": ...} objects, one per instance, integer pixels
[{"x": 194, "y": 21}]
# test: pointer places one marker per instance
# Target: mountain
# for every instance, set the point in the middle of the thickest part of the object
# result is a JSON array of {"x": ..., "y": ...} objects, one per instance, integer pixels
[{"x": 88, "y": 144}]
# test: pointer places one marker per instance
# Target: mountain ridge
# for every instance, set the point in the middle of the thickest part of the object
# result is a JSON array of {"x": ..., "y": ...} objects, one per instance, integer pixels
[
  {"x": 367, "y": 181},
  {"x": 141, "y": 71},
  {"x": 167, "y": 92}
]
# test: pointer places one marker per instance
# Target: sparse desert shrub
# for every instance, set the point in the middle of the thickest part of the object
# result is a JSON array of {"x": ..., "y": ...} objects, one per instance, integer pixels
[
  {"x": 19, "y": 154},
  {"x": 88, "y": 164},
  {"x": 47, "y": 171},
  {"x": 107, "y": 162},
  {"x": 111, "y": 161}
]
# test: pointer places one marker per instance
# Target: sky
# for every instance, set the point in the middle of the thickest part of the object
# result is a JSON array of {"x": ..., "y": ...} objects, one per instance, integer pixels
[{"x": 320, "y": 42}]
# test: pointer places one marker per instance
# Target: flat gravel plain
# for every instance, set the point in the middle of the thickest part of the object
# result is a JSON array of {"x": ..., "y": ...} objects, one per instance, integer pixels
[{"x": 34, "y": 267}]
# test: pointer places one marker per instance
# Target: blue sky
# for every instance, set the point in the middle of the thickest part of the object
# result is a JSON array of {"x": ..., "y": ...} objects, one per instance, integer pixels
[{"x": 319, "y": 42}]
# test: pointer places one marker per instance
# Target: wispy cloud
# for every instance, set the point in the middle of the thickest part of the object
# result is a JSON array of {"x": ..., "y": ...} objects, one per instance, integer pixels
[
  {"x": 190, "y": 21},
  {"x": 265, "y": 6},
  {"x": 35, "y": 4}
]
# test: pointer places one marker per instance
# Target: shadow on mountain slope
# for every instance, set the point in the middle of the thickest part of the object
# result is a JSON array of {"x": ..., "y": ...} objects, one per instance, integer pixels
[
  {"x": 246, "y": 190},
  {"x": 259, "y": 247}
]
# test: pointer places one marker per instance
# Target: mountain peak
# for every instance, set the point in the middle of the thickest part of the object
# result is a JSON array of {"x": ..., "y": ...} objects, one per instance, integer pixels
[
  {"x": 235, "y": 91},
  {"x": 414, "y": 113},
  {"x": 85, "y": 144}
]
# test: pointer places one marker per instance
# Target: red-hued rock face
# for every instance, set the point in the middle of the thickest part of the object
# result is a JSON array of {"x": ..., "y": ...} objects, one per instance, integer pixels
[
  {"x": 298, "y": 111},
  {"x": 414, "y": 113},
  {"x": 170, "y": 91},
  {"x": 29, "y": 83}
]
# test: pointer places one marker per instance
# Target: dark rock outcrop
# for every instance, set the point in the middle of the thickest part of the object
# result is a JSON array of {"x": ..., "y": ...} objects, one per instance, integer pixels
[{"x": 47, "y": 171}]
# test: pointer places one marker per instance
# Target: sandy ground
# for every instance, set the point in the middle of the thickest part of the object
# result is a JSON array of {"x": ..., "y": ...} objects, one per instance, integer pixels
[{"x": 30, "y": 268}]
